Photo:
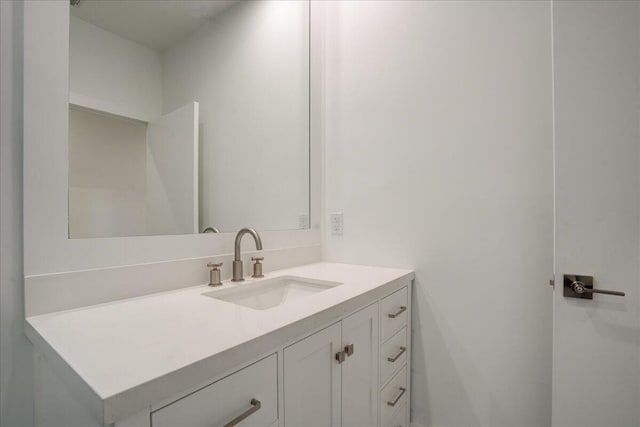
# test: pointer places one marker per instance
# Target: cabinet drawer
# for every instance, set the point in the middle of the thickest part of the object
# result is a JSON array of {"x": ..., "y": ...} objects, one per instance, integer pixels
[
  {"x": 393, "y": 313},
  {"x": 393, "y": 396},
  {"x": 252, "y": 390},
  {"x": 393, "y": 354},
  {"x": 399, "y": 419}
]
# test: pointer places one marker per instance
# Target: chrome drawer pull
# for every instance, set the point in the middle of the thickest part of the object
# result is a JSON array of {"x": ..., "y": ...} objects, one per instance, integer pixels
[
  {"x": 403, "y": 308},
  {"x": 400, "y": 353},
  {"x": 390, "y": 403},
  {"x": 255, "y": 407}
]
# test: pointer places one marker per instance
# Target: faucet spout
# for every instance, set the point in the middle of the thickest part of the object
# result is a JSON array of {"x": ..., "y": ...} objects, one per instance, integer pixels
[{"x": 237, "y": 261}]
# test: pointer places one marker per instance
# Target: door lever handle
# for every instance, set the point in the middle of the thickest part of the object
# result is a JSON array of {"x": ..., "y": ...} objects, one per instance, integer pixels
[
  {"x": 577, "y": 286},
  {"x": 580, "y": 288}
]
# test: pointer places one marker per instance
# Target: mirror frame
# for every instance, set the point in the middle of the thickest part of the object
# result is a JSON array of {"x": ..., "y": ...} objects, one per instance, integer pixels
[{"x": 47, "y": 247}]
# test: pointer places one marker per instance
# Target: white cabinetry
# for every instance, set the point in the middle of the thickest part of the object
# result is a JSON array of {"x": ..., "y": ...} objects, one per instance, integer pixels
[
  {"x": 352, "y": 373},
  {"x": 395, "y": 328},
  {"x": 393, "y": 397},
  {"x": 331, "y": 377},
  {"x": 394, "y": 311},
  {"x": 249, "y": 397},
  {"x": 360, "y": 369},
  {"x": 393, "y": 354},
  {"x": 312, "y": 383}
]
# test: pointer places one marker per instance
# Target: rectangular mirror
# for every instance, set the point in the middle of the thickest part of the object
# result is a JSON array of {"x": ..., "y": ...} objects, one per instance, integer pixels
[{"x": 188, "y": 117}]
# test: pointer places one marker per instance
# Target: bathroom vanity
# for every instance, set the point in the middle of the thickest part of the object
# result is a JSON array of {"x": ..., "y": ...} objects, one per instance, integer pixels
[
  {"x": 329, "y": 345},
  {"x": 221, "y": 103}
]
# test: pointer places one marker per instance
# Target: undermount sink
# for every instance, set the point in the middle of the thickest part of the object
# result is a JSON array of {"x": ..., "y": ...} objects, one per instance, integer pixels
[{"x": 269, "y": 293}]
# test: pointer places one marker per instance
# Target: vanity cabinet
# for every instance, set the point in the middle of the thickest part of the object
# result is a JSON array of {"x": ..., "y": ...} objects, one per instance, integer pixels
[
  {"x": 331, "y": 377},
  {"x": 345, "y": 367}
]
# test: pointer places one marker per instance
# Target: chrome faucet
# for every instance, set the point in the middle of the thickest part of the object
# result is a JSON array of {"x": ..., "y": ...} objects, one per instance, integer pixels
[{"x": 237, "y": 262}]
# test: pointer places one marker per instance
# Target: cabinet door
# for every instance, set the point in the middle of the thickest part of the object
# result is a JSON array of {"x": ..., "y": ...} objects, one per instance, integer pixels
[
  {"x": 360, "y": 369},
  {"x": 312, "y": 393}
]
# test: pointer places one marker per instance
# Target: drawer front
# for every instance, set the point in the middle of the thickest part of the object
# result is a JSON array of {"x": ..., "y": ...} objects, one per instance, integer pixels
[
  {"x": 393, "y": 354},
  {"x": 392, "y": 314},
  {"x": 252, "y": 391},
  {"x": 393, "y": 396},
  {"x": 400, "y": 417}
]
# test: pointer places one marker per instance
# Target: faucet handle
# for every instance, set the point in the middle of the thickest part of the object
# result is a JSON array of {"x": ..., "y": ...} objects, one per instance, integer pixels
[
  {"x": 214, "y": 274},
  {"x": 257, "y": 266}
]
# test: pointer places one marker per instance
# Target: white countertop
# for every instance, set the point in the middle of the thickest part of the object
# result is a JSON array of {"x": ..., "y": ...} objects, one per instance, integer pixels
[{"x": 134, "y": 352}]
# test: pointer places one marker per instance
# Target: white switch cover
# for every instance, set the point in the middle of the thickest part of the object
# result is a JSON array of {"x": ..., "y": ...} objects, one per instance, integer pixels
[
  {"x": 303, "y": 220},
  {"x": 337, "y": 223}
]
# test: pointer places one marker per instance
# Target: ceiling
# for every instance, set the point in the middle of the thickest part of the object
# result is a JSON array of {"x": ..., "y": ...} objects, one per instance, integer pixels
[{"x": 154, "y": 24}]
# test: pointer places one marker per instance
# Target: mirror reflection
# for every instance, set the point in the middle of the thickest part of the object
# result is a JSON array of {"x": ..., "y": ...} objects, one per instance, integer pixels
[{"x": 188, "y": 116}]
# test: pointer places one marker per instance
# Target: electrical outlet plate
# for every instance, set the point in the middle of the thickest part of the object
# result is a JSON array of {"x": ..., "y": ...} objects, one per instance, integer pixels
[
  {"x": 303, "y": 221},
  {"x": 337, "y": 221}
]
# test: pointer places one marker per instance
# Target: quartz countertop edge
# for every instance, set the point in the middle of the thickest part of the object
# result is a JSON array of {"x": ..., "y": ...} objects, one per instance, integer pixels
[{"x": 128, "y": 355}]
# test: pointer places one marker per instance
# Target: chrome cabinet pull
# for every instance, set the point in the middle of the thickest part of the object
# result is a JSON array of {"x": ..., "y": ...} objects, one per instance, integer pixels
[
  {"x": 400, "y": 353},
  {"x": 395, "y": 401},
  {"x": 340, "y": 356},
  {"x": 578, "y": 286},
  {"x": 348, "y": 349},
  {"x": 403, "y": 308},
  {"x": 255, "y": 407}
]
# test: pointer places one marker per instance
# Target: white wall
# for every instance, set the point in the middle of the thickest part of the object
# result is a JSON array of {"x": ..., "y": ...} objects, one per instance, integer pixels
[
  {"x": 249, "y": 70},
  {"x": 482, "y": 356},
  {"x": 438, "y": 152},
  {"x": 16, "y": 376},
  {"x": 113, "y": 74},
  {"x": 107, "y": 175}
]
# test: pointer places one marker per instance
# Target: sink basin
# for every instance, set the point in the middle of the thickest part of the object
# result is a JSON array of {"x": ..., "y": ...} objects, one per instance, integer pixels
[{"x": 270, "y": 293}]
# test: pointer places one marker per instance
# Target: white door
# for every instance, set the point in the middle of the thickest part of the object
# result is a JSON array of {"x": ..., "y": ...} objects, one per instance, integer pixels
[
  {"x": 172, "y": 172},
  {"x": 312, "y": 389},
  {"x": 360, "y": 368},
  {"x": 596, "y": 360}
]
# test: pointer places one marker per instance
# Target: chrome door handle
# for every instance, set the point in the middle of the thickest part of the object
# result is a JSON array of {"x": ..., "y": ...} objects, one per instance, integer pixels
[
  {"x": 255, "y": 407},
  {"x": 578, "y": 286},
  {"x": 400, "y": 353},
  {"x": 403, "y": 308},
  {"x": 340, "y": 356},
  {"x": 393, "y": 402}
]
